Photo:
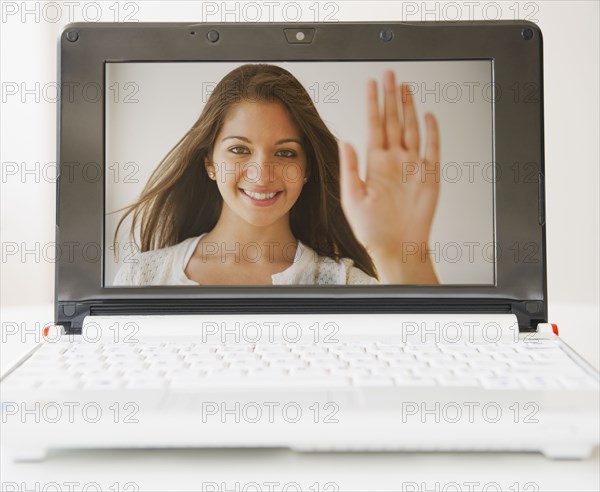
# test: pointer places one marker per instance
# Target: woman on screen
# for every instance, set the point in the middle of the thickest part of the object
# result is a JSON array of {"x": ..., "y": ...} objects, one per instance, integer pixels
[{"x": 260, "y": 192}]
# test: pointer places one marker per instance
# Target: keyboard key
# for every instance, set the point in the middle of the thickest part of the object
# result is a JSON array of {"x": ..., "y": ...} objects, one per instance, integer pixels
[
  {"x": 373, "y": 380},
  {"x": 226, "y": 374},
  {"x": 415, "y": 382},
  {"x": 540, "y": 383},
  {"x": 310, "y": 372},
  {"x": 458, "y": 381},
  {"x": 501, "y": 383},
  {"x": 146, "y": 383},
  {"x": 64, "y": 384},
  {"x": 267, "y": 373},
  {"x": 390, "y": 345},
  {"x": 103, "y": 383},
  {"x": 198, "y": 349}
]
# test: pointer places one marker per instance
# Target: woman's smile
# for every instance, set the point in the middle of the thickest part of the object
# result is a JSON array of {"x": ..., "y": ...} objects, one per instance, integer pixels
[{"x": 261, "y": 199}]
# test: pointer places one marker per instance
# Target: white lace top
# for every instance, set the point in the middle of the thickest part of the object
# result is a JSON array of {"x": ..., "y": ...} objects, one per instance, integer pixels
[{"x": 166, "y": 266}]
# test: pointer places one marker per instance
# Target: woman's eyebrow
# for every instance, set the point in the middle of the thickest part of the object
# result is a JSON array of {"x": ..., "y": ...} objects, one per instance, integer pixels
[{"x": 283, "y": 140}]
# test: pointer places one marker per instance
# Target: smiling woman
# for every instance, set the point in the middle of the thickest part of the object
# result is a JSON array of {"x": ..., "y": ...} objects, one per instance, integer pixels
[{"x": 251, "y": 195}]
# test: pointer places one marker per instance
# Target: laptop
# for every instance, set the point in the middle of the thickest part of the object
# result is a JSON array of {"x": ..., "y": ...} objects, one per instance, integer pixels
[{"x": 321, "y": 237}]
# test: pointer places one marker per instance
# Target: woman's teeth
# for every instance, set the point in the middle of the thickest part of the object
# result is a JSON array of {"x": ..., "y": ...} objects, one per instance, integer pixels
[{"x": 260, "y": 196}]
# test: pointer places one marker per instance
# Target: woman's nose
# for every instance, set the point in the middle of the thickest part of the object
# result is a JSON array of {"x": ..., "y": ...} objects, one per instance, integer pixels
[{"x": 261, "y": 171}]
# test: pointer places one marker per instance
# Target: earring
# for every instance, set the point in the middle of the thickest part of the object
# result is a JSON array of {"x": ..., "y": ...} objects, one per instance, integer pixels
[
  {"x": 305, "y": 180},
  {"x": 211, "y": 174}
]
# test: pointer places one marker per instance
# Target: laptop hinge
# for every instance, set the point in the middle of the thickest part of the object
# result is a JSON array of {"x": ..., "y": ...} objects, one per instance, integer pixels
[
  {"x": 315, "y": 328},
  {"x": 71, "y": 314}
]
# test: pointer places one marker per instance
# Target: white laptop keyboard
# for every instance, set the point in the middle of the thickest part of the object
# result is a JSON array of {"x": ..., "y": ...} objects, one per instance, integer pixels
[{"x": 542, "y": 365}]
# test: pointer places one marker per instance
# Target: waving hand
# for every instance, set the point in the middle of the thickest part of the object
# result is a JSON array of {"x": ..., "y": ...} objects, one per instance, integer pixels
[{"x": 391, "y": 212}]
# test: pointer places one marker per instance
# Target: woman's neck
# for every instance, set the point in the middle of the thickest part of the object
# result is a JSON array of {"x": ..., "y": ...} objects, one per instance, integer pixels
[{"x": 240, "y": 240}]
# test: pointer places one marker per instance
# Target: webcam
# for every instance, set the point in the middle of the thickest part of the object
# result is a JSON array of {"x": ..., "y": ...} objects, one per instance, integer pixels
[
  {"x": 212, "y": 36},
  {"x": 300, "y": 35},
  {"x": 386, "y": 35}
]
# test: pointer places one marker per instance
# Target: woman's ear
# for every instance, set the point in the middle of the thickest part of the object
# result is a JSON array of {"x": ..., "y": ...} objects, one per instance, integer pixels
[
  {"x": 210, "y": 169},
  {"x": 306, "y": 176}
]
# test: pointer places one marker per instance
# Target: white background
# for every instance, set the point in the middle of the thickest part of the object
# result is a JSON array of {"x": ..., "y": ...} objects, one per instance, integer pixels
[
  {"x": 28, "y": 55},
  {"x": 28, "y": 130}
]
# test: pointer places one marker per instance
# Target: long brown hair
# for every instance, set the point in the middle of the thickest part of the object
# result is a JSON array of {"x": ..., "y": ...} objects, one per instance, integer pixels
[{"x": 180, "y": 201}]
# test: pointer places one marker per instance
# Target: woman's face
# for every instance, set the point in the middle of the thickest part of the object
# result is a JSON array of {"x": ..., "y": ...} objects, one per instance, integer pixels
[{"x": 258, "y": 162}]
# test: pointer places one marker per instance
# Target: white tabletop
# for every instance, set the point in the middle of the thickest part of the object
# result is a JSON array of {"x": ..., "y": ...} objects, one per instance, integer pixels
[
  {"x": 224, "y": 470},
  {"x": 220, "y": 470}
]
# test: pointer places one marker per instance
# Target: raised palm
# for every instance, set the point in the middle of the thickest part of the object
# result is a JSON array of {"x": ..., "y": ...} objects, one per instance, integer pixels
[{"x": 396, "y": 203}]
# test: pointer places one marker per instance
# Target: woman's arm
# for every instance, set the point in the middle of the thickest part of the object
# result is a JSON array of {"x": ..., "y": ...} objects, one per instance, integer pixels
[
  {"x": 414, "y": 269},
  {"x": 391, "y": 212}
]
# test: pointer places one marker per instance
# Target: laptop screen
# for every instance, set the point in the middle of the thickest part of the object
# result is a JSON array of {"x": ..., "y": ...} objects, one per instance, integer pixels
[{"x": 229, "y": 174}]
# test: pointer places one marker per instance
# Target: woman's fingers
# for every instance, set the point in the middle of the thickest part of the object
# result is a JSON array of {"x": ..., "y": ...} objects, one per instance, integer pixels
[
  {"x": 411, "y": 125},
  {"x": 391, "y": 116},
  {"x": 395, "y": 129},
  {"x": 432, "y": 149},
  {"x": 376, "y": 129},
  {"x": 352, "y": 188}
]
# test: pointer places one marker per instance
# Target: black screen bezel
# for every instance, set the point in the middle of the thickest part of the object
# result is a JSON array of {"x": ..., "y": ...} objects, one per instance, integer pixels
[{"x": 518, "y": 122}]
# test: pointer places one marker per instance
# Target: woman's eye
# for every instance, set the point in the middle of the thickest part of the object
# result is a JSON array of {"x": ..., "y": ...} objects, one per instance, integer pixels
[
  {"x": 289, "y": 153},
  {"x": 244, "y": 150}
]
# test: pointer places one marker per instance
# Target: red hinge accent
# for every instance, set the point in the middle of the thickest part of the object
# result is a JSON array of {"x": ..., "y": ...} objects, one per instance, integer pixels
[{"x": 555, "y": 329}]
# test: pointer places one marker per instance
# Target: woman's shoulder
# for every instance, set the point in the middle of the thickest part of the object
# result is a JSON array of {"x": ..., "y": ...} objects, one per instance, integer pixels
[
  {"x": 326, "y": 270},
  {"x": 151, "y": 267},
  {"x": 160, "y": 255},
  {"x": 355, "y": 275}
]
